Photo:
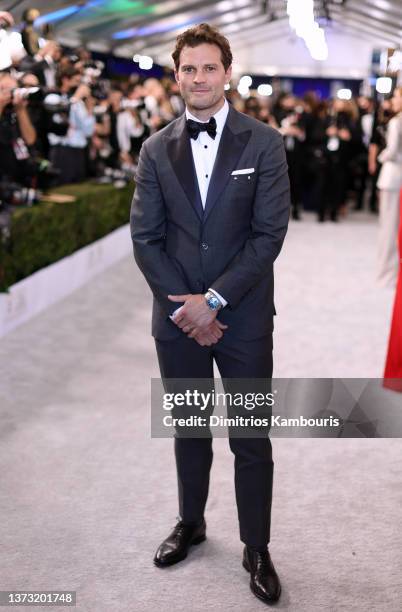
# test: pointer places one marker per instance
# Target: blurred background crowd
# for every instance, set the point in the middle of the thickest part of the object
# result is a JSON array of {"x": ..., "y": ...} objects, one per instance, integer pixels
[{"x": 62, "y": 121}]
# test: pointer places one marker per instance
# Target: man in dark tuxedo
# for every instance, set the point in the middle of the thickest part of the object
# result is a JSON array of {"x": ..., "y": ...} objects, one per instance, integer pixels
[{"x": 208, "y": 219}]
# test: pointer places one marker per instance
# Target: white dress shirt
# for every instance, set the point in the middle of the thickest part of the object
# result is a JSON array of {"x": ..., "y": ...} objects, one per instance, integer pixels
[{"x": 204, "y": 150}]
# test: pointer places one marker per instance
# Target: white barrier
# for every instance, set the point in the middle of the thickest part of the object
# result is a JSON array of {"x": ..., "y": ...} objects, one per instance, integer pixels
[{"x": 33, "y": 294}]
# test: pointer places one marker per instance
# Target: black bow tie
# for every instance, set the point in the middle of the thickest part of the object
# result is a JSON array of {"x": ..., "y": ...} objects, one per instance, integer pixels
[{"x": 194, "y": 128}]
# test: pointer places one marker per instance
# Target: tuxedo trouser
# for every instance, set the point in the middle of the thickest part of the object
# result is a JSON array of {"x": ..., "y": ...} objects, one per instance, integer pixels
[
  {"x": 184, "y": 358},
  {"x": 388, "y": 257}
]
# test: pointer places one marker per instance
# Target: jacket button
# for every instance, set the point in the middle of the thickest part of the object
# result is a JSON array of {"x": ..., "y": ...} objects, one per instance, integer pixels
[{"x": 204, "y": 246}]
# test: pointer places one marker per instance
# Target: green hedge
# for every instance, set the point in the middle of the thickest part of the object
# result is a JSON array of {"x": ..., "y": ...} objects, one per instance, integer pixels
[{"x": 46, "y": 232}]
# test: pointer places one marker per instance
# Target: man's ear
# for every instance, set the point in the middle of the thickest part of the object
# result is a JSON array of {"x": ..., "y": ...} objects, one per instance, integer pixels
[{"x": 176, "y": 76}]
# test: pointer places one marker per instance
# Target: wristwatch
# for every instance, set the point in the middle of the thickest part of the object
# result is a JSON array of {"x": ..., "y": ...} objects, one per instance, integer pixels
[{"x": 212, "y": 301}]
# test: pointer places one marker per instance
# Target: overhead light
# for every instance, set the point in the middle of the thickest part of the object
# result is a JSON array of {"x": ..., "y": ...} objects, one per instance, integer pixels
[
  {"x": 301, "y": 20},
  {"x": 344, "y": 94},
  {"x": 264, "y": 89},
  {"x": 395, "y": 61},
  {"x": 246, "y": 80},
  {"x": 243, "y": 89},
  {"x": 383, "y": 85},
  {"x": 145, "y": 62}
]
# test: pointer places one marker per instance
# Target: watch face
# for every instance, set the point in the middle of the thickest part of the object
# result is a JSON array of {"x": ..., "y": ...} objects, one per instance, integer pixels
[{"x": 213, "y": 302}]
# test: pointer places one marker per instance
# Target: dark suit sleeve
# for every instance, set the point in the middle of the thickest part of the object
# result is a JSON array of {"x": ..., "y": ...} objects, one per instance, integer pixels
[
  {"x": 38, "y": 70},
  {"x": 148, "y": 228},
  {"x": 268, "y": 227}
]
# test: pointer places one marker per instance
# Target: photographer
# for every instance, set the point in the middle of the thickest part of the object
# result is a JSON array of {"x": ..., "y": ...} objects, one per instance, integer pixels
[
  {"x": 158, "y": 104},
  {"x": 288, "y": 115},
  {"x": 16, "y": 131},
  {"x": 36, "y": 111},
  {"x": 132, "y": 124},
  {"x": 43, "y": 64},
  {"x": 100, "y": 150},
  {"x": 343, "y": 139},
  {"x": 68, "y": 152},
  {"x": 45, "y": 67},
  {"x": 114, "y": 100}
]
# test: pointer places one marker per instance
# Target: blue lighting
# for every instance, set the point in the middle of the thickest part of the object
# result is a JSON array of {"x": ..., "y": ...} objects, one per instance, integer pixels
[
  {"x": 149, "y": 30},
  {"x": 65, "y": 12},
  {"x": 56, "y": 15}
]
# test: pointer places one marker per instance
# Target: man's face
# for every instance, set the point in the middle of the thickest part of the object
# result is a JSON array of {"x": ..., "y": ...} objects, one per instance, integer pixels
[
  {"x": 201, "y": 77},
  {"x": 136, "y": 93},
  {"x": 7, "y": 84},
  {"x": 29, "y": 80},
  {"x": 115, "y": 97},
  {"x": 70, "y": 84},
  {"x": 288, "y": 102},
  {"x": 57, "y": 53}
]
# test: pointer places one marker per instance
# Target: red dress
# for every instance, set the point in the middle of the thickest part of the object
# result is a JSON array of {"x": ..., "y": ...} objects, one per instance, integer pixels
[{"x": 393, "y": 365}]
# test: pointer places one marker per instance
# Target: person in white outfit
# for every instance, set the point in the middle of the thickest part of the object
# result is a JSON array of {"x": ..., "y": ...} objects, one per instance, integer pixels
[{"x": 389, "y": 184}]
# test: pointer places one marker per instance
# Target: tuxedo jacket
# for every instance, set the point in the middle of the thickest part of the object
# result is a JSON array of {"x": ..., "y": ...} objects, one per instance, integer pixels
[{"x": 229, "y": 246}]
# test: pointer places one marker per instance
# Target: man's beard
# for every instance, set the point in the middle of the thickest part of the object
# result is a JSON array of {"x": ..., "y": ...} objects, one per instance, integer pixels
[{"x": 201, "y": 102}]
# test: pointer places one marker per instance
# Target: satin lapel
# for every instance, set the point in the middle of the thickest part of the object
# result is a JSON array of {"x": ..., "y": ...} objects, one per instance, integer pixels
[
  {"x": 181, "y": 158},
  {"x": 230, "y": 148}
]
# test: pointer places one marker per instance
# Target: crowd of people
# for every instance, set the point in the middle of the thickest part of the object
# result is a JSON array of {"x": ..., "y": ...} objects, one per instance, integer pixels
[
  {"x": 61, "y": 121},
  {"x": 332, "y": 149}
]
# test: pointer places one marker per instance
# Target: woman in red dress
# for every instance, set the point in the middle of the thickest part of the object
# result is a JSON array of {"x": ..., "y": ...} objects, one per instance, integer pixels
[{"x": 393, "y": 366}]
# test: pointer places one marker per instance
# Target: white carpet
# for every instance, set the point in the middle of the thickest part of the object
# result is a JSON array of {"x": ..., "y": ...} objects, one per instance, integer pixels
[{"x": 87, "y": 496}]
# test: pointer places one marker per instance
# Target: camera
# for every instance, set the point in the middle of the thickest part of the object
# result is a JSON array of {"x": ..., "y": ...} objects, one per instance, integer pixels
[
  {"x": 28, "y": 93},
  {"x": 56, "y": 103},
  {"x": 57, "y": 108},
  {"x": 92, "y": 71},
  {"x": 14, "y": 194},
  {"x": 127, "y": 104},
  {"x": 119, "y": 177}
]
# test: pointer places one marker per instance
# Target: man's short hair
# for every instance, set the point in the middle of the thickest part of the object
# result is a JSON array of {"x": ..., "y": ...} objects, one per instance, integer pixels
[
  {"x": 199, "y": 34},
  {"x": 68, "y": 72}
]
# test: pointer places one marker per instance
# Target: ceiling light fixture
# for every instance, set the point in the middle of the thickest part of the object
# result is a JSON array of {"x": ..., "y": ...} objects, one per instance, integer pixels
[
  {"x": 344, "y": 93},
  {"x": 145, "y": 62},
  {"x": 383, "y": 85},
  {"x": 301, "y": 20},
  {"x": 265, "y": 89}
]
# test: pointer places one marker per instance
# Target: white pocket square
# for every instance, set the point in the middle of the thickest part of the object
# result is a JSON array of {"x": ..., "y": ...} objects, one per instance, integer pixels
[{"x": 243, "y": 171}]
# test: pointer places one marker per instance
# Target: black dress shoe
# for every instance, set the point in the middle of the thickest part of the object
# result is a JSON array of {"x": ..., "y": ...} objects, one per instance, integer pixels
[
  {"x": 264, "y": 581},
  {"x": 176, "y": 546}
]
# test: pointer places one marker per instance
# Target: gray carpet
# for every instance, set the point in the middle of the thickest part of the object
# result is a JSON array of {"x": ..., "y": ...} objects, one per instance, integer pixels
[{"x": 87, "y": 495}]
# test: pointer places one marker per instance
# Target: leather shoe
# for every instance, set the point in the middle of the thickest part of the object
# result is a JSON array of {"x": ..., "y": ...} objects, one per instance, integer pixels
[
  {"x": 264, "y": 581},
  {"x": 176, "y": 546}
]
